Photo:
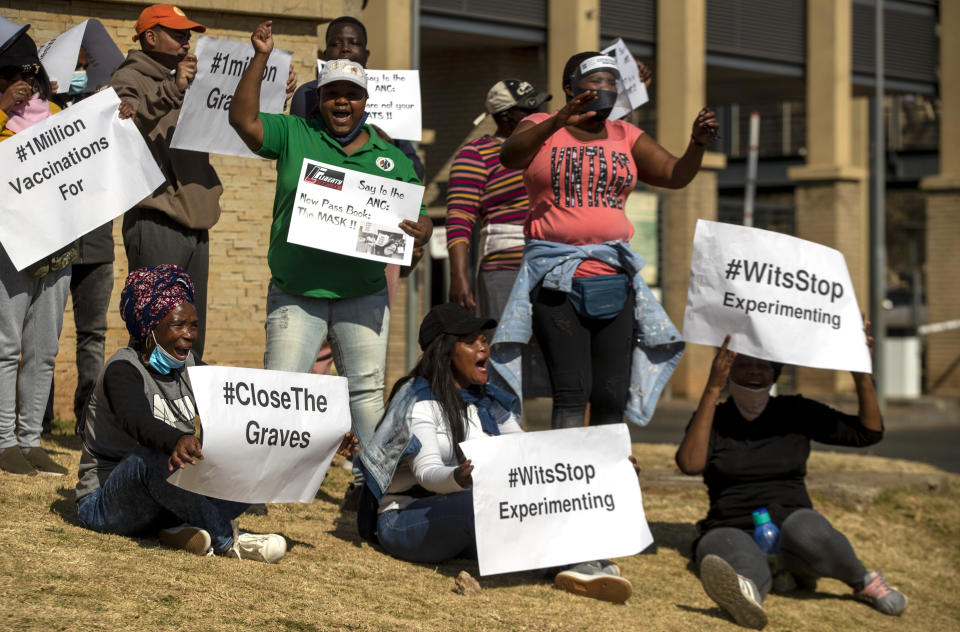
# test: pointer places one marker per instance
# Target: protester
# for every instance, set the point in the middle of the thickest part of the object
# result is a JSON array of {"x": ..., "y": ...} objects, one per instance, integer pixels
[
  {"x": 346, "y": 38},
  {"x": 140, "y": 424},
  {"x": 483, "y": 192},
  {"x": 604, "y": 336},
  {"x": 171, "y": 225},
  {"x": 420, "y": 506},
  {"x": 752, "y": 451},
  {"x": 314, "y": 293},
  {"x": 91, "y": 281},
  {"x": 32, "y": 300}
]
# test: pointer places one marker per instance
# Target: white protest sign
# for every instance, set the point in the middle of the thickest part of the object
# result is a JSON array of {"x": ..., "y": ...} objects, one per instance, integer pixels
[
  {"x": 59, "y": 55},
  {"x": 354, "y": 213},
  {"x": 634, "y": 92},
  {"x": 784, "y": 299},
  {"x": 69, "y": 174},
  {"x": 393, "y": 102},
  {"x": 541, "y": 499},
  {"x": 268, "y": 436},
  {"x": 204, "y": 118}
]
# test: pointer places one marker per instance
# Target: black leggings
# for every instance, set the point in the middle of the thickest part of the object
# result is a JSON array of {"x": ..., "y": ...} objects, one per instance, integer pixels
[
  {"x": 809, "y": 548},
  {"x": 588, "y": 359}
]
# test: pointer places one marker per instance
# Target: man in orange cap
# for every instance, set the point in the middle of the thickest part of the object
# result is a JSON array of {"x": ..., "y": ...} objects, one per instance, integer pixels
[{"x": 171, "y": 224}]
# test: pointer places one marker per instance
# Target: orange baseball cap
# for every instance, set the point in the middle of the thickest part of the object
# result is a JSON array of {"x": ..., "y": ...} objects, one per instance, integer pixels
[{"x": 165, "y": 15}]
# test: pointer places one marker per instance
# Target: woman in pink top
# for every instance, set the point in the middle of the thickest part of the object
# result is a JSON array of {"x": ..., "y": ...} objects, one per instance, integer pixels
[{"x": 579, "y": 169}]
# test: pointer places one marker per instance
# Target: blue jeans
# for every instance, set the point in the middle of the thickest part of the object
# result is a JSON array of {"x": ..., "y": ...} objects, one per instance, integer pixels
[
  {"x": 430, "y": 529},
  {"x": 137, "y": 499},
  {"x": 297, "y": 327}
]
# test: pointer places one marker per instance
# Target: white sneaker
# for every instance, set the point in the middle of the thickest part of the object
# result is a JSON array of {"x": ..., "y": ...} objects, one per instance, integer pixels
[
  {"x": 260, "y": 547},
  {"x": 736, "y": 594},
  {"x": 599, "y": 580},
  {"x": 186, "y": 537}
]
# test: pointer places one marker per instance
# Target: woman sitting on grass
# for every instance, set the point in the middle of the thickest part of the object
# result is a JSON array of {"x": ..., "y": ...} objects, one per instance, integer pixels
[
  {"x": 423, "y": 510},
  {"x": 140, "y": 423},
  {"x": 752, "y": 451}
]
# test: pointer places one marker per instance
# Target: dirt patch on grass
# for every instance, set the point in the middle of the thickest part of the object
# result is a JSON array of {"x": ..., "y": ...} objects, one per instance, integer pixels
[{"x": 55, "y": 575}]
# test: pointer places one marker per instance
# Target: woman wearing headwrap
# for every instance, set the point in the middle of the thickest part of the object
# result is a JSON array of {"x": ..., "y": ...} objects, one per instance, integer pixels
[
  {"x": 140, "y": 423},
  {"x": 606, "y": 341},
  {"x": 32, "y": 300}
]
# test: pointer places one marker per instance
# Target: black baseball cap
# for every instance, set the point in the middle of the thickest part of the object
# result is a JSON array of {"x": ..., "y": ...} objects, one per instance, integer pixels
[{"x": 450, "y": 318}]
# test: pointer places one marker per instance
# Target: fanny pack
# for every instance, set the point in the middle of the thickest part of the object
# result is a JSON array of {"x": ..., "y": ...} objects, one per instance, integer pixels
[{"x": 600, "y": 297}]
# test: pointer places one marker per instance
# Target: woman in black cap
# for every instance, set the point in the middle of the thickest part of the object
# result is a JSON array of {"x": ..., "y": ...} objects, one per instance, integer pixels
[
  {"x": 414, "y": 464},
  {"x": 32, "y": 300}
]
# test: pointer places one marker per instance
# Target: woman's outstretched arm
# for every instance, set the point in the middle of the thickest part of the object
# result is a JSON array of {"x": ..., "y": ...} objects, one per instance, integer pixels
[
  {"x": 691, "y": 456},
  {"x": 659, "y": 167},
  {"x": 518, "y": 150},
  {"x": 245, "y": 107}
]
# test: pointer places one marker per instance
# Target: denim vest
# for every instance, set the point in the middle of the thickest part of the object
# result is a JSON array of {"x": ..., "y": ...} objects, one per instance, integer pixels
[
  {"x": 393, "y": 441},
  {"x": 657, "y": 347}
]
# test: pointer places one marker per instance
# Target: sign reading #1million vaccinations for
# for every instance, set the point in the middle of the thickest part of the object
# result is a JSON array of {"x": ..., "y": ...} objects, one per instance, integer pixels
[
  {"x": 354, "y": 213},
  {"x": 204, "y": 119},
  {"x": 68, "y": 174}
]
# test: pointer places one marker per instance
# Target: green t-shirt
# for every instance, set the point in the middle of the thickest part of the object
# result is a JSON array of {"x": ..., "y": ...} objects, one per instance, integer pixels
[{"x": 308, "y": 271}]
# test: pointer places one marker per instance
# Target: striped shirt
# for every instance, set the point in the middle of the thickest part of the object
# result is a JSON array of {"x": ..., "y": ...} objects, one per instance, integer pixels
[{"x": 482, "y": 190}]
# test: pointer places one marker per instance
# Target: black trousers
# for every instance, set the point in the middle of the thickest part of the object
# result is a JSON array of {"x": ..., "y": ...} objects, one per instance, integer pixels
[
  {"x": 151, "y": 237},
  {"x": 809, "y": 548},
  {"x": 588, "y": 359}
]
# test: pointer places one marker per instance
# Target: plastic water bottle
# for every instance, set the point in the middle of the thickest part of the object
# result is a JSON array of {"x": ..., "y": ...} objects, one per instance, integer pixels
[{"x": 765, "y": 533}]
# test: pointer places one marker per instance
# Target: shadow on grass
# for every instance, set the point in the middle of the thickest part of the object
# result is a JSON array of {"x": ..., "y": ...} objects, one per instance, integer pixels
[
  {"x": 65, "y": 442},
  {"x": 713, "y": 613},
  {"x": 66, "y": 506},
  {"x": 678, "y": 536}
]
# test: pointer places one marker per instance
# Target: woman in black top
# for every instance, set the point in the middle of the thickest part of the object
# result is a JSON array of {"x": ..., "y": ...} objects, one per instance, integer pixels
[{"x": 752, "y": 451}]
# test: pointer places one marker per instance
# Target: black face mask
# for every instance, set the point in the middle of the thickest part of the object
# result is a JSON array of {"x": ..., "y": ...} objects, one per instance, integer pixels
[
  {"x": 602, "y": 105},
  {"x": 164, "y": 59}
]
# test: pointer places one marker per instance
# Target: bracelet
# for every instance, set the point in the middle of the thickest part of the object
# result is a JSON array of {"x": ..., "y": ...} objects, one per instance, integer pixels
[{"x": 696, "y": 142}]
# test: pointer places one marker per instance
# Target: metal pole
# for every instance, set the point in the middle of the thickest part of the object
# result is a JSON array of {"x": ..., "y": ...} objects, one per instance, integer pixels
[
  {"x": 878, "y": 249},
  {"x": 413, "y": 299},
  {"x": 752, "y": 153}
]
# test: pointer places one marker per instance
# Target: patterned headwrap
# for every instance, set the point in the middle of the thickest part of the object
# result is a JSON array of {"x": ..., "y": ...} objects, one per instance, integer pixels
[{"x": 150, "y": 293}]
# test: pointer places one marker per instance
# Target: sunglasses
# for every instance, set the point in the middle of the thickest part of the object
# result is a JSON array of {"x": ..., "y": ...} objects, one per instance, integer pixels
[{"x": 26, "y": 71}]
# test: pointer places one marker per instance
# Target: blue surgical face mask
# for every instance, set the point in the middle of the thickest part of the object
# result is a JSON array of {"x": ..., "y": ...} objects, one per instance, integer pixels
[
  {"x": 78, "y": 83},
  {"x": 162, "y": 361}
]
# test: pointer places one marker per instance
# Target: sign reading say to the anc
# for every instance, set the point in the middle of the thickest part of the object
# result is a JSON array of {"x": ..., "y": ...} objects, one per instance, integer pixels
[
  {"x": 268, "y": 436},
  {"x": 784, "y": 299},
  {"x": 204, "y": 119},
  {"x": 632, "y": 91},
  {"x": 59, "y": 55},
  {"x": 393, "y": 102},
  {"x": 555, "y": 497},
  {"x": 68, "y": 174},
  {"x": 354, "y": 213}
]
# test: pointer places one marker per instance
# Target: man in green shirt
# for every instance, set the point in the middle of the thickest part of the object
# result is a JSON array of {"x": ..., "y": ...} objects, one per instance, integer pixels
[{"x": 312, "y": 292}]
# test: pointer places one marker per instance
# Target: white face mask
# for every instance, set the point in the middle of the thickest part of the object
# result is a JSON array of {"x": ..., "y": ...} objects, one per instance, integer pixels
[{"x": 751, "y": 402}]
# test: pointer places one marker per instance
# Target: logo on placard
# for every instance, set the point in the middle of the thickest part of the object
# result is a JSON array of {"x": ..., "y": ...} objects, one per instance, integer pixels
[
  {"x": 324, "y": 177},
  {"x": 384, "y": 163}
]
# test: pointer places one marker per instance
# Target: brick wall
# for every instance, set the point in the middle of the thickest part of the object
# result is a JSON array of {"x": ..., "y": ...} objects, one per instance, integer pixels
[{"x": 238, "y": 243}]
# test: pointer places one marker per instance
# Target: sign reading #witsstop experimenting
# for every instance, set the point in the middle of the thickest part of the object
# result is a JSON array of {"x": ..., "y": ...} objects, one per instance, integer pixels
[{"x": 541, "y": 499}]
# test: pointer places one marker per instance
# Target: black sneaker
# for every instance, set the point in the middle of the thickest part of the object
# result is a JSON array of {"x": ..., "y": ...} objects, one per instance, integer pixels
[
  {"x": 39, "y": 458},
  {"x": 12, "y": 461}
]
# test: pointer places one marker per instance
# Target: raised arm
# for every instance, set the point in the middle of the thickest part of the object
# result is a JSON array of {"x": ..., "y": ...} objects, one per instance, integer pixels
[
  {"x": 691, "y": 456},
  {"x": 868, "y": 406},
  {"x": 245, "y": 107},
  {"x": 659, "y": 167},
  {"x": 518, "y": 150}
]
